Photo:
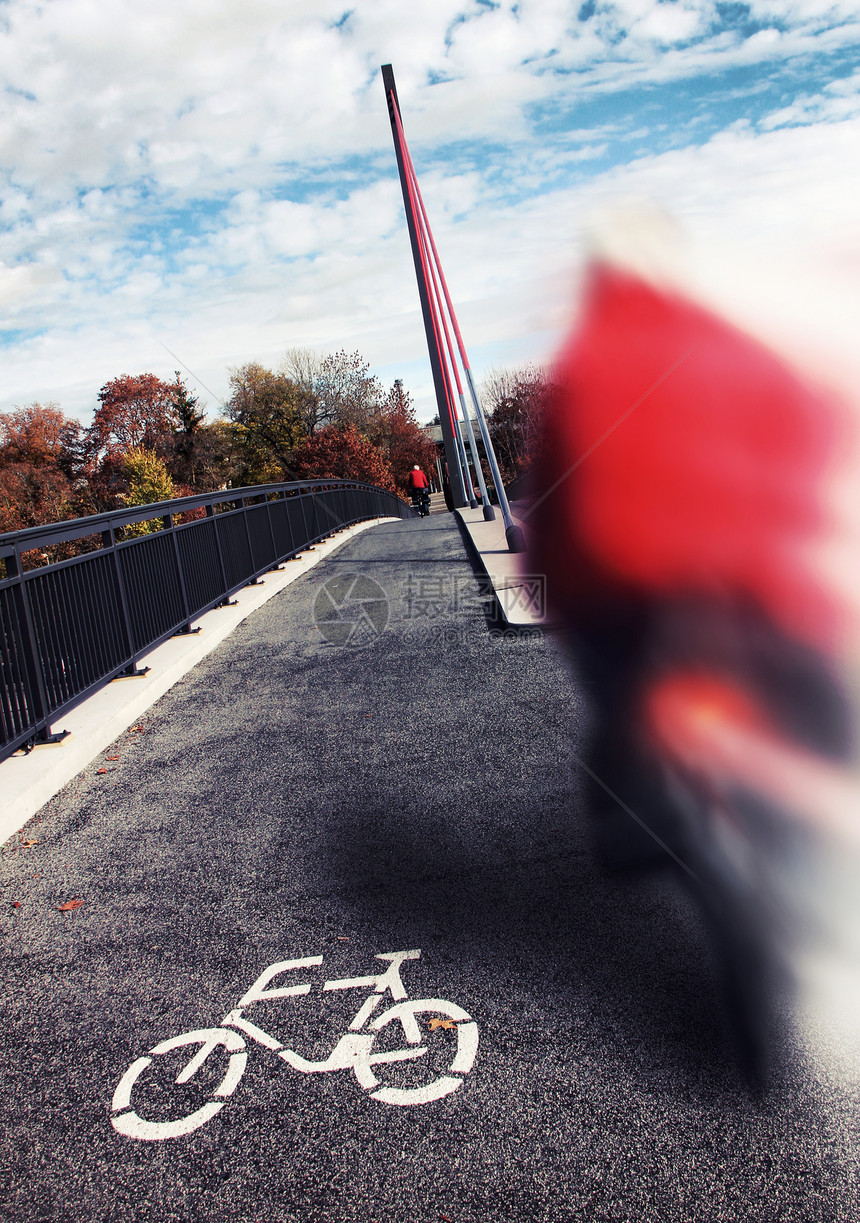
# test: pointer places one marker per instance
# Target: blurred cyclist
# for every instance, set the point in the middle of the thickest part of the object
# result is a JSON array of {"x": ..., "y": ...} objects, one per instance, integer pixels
[{"x": 683, "y": 519}]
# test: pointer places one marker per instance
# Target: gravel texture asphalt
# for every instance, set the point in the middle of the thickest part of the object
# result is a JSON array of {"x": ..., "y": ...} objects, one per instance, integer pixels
[{"x": 366, "y": 766}]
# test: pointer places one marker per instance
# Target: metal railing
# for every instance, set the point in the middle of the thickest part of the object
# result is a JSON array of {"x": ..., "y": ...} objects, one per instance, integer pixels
[{"x": 69, "y": 626}]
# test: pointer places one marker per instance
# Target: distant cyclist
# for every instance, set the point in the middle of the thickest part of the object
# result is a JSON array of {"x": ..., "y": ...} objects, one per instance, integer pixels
[
  {"x": 420, "y": 489},
  {"x": 417, "y": 479}
]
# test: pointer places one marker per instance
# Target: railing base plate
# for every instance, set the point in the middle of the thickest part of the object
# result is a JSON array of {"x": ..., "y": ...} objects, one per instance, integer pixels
[{"x": 43, "y": 740}]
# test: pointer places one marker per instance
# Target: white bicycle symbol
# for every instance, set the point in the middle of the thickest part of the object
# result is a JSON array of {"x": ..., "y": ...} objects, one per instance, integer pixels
[{"x": 353, "y": 1051}]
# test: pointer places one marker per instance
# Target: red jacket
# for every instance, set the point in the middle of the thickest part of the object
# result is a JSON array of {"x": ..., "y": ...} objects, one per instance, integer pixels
[
  {"x": 682, "y": 456},
  {"x": 417, "y": 479}
]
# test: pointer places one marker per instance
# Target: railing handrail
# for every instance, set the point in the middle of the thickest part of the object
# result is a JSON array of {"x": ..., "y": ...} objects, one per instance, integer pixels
[
  {"x": 50, "y": 533},
  {"x": 69, "y": 626}
]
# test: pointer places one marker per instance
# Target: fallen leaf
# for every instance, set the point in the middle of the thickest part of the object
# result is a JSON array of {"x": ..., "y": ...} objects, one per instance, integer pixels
[
  {"x": 27, "y": 844},
  {"x": 113, "y": 757},
  {"x": 134, "y": 728},
  {"x": 102, "y": 770},
  {"x": 343, "y": 938},
  {"x": 70, "y": 904},
  {"x": 433, "y": 1024},
  {"x": 16, "y": 904}
]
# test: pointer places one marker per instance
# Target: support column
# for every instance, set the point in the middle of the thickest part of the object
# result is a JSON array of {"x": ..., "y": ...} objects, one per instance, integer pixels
[{"x": 430, "y": 330}]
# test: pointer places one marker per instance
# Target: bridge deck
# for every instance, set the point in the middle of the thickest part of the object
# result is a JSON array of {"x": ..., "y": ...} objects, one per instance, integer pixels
[{"x": 364, "y": 768}]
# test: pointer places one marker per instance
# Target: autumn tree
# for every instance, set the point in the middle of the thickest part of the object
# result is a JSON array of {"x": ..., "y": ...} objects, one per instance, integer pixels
[
  {"x": 32, "y": 496},
  {"x": 266, "y": 410},
  {"x": 343, "y": 453},
  {"x": 215, "y": 460},
  {"x": 347, "y": 392},
  {"x": 401, "y": 439},
  {"x": 43, "y": 436},
  {"x": 187, "y": 420},
  {"x": 336, "y": 388},
  {"x": 304, "y": 368},
  {"x": 202, "y": 452},
  {"x": 274, "y": 415},
  {"x": 40, "y": 466},
  {"x": 134, "y": 412},
  {"x": 515, "y": 402},
  {"x": 339, "y": 389},
  {"x": 147, "y": 482}
]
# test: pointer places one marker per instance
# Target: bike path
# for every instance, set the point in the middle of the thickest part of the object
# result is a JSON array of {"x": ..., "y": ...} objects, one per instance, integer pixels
[
  {"x": 29, "y": 780},
  {"x": 303, "y": 797}
]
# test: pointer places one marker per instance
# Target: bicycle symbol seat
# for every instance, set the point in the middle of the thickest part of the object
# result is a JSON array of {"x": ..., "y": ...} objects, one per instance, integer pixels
[{"x": 354, "y": 1050}]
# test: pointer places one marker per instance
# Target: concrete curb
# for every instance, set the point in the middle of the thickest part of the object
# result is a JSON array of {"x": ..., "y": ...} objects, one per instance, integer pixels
[
  {"x": 27, "y": 782},
  {"x": 521, "y": 595}
]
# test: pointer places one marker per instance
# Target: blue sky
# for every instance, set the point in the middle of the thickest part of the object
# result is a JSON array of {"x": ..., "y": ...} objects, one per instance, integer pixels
[{"x": 217, "y": 178}]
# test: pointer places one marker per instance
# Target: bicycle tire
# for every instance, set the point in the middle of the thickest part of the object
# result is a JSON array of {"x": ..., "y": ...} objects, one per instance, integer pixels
[
  {"x": 126, "y": 1121},
  {"x": 464, "y": 1058}
]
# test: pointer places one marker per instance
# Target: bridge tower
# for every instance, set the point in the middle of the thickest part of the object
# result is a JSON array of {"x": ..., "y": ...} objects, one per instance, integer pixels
[{"x": 438, "y": 366}]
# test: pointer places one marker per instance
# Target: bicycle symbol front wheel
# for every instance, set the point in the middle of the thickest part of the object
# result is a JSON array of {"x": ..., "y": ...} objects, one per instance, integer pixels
[
  {"x": 451, "y": 1017},
  {"x": 127, "y": 1121}
]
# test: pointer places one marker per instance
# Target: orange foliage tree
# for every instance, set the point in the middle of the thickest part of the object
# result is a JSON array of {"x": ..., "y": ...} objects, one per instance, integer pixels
[
  {"x": 40, "y": 461},
  {"x": 344, "y": 454},
  {"x": 134, "y": 412},
  {"x": 401, "y": 439}
]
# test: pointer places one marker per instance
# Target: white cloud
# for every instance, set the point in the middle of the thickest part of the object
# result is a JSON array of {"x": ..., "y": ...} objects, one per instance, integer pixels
[
  {"x": 669, "y": 23},
  {"x": 837, "y": 101},
  {"x": 220, "y": 177}
]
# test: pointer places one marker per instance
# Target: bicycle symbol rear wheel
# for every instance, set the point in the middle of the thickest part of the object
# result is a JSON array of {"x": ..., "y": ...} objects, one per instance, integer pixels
[{"x": 126, "y": 1121}]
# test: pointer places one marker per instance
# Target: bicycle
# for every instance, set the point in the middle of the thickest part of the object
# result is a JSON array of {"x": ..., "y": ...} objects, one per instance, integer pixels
[
  {"x": 353, "y": 1050},
  {"x": 421, "y": 502}
]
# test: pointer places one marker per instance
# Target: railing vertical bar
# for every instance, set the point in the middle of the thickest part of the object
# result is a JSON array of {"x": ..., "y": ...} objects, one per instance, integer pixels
[
  {"x": 169, "y": 526},
  {"x": 19, "y": 703},
  {"x": 90, "y": 657},
  {"x": 210, "y": 513},
  {"x": 31, "y": 646},
  {"x": 287, "y": 519},
  {"x": 63, "y": 634},
  {"x": 271, "y": 529},
  {"x": 303, "y": 506},
  {"x": 248, "y": 533},
  {"x": 109, "y": 541}
]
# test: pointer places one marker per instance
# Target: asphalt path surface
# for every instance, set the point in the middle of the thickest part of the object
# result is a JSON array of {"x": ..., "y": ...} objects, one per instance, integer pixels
[{"x": 366, "y": 767}]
